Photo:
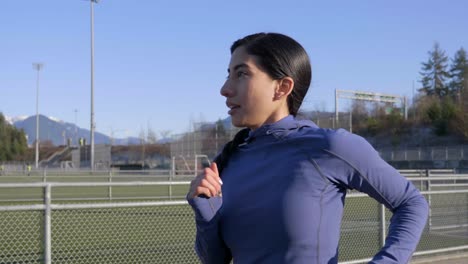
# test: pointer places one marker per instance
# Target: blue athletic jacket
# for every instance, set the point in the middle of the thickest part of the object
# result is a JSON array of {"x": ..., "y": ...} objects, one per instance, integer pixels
[{"x": 283, "y": 197}]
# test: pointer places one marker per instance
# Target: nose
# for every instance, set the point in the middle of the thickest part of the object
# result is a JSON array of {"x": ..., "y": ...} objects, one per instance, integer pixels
[{"x": 226, "y": 89}]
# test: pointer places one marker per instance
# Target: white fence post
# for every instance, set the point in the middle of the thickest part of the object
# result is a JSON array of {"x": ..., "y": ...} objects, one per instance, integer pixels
[
  {"x": 44, "y": 176},
  {"x": 429, "y": 221},
  {"x": 171, "y": 176},
  {"x": 110, "y": 186},
  {"x": 383, "y": 225},
  {"x": 47, "y": 225},
  {"x": 173, "y": 165}
]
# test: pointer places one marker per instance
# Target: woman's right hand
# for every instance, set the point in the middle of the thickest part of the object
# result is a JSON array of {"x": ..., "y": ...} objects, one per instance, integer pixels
[{"x": 207, "y": 183}]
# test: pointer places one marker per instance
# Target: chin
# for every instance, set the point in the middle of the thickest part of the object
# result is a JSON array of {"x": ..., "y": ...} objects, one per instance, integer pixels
[{"x": 237, "y": 122}]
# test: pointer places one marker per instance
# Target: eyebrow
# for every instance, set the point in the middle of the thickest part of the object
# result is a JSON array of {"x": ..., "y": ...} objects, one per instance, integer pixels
[{"x": 240, "y": 65}]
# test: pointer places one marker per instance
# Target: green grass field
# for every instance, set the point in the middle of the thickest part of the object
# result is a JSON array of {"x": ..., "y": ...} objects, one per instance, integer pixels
[{"x": 162, "y": 234}]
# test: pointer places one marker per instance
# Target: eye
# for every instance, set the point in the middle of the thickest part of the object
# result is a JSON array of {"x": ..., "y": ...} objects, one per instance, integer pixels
[{"x": 240, "y": 74}]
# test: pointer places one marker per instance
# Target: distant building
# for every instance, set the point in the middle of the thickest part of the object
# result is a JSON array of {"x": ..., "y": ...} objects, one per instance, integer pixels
[{"x": 82, "y": 155}]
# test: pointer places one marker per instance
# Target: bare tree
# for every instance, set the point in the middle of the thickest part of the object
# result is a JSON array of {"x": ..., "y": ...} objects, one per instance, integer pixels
[
  {"x": 151, "y": 137},
  {"x": 165, "y": 134}
]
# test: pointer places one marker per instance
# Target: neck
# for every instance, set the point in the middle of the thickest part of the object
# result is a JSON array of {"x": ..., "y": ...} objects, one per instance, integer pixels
[{"x": 271, "y": 120}]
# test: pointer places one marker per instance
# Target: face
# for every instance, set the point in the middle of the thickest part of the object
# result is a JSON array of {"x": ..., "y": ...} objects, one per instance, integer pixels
[{"x": 251, "y": 93}]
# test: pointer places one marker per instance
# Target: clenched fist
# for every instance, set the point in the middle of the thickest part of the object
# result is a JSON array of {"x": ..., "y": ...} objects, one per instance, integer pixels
[{"x": 207, "y": 183}]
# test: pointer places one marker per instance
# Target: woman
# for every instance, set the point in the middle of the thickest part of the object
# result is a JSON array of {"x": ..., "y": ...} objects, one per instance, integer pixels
[{"x": 276, "y": 192}]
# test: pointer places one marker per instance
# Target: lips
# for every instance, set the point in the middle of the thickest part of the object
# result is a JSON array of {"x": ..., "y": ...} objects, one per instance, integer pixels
[{"x": 233, "y": 107}]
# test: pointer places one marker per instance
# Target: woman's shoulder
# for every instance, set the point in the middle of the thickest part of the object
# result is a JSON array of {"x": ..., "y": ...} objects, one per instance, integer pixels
[{"x": 339, "y": 141}]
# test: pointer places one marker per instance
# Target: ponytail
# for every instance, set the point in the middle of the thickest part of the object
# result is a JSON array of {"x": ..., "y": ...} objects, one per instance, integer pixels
[{"x": 223, "y": 158}]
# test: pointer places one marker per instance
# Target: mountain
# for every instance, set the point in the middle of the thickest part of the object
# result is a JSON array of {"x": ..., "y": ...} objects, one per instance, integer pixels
[
  {"x": 225, "y": 123},
  {"x": 126, "y": 141},
  {"x": 57, "y": 131},
  {"x": 12, "y": 120}
]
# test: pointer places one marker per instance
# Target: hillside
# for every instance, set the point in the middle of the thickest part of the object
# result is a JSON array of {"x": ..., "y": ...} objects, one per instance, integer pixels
[{"x": 415, "y": 138}]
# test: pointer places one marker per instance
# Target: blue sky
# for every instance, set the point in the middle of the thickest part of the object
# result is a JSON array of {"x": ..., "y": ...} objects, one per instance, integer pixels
[{"x": 160, "y": 64}]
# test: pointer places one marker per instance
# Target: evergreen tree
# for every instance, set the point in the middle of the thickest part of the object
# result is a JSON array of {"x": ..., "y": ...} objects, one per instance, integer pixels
[
  {"x": 458, "y": 70},
  {"x": 461, "y": 123},
  {"x": 12, "y": 141},
  {"x": 434, "y": 73}
]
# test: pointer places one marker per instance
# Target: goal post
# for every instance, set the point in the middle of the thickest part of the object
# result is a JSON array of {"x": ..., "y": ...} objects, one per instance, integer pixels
[{"x": 370, "y": 96}]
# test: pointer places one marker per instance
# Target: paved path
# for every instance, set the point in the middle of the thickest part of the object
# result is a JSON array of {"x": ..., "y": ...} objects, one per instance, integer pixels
[{"x": 461, "y": 258}]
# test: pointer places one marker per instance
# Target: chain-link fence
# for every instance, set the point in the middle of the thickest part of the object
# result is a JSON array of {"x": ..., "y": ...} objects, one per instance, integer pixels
[
  {"x": 190, "y": 150},
  {"x": 161, "y": 231},
  {"x": 147, "y": 234},
  {"x": 209, "y": 140}
]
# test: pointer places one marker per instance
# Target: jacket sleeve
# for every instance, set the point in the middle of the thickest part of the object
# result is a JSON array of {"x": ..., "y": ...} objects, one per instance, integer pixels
[
  {"x": 209, "y": 244},
  {"x": 368, "y": 173}
]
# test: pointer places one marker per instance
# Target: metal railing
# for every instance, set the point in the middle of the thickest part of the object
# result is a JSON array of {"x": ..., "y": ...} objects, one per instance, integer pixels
[
  {"x": 161, "y": 231},
  {"x": 46, "y": 172},
  {"x": 427, "y": 153}
]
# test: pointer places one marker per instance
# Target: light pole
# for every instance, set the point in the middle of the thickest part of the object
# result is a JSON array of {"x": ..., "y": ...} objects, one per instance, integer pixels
[
  {"x": 76, "y": 128},
  {"x": 92, "y": 84},
  {"x": 38, "y": 67}
]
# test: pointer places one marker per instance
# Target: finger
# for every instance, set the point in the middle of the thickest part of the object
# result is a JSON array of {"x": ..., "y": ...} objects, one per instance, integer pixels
[
  {"x": 202, "y": 191},
  {"x": 192, "y": 189},
  {"x": 214, "y": 181},
  {"x": 207, "y": 184},
  {"x": 198, "y": 190},
  {"x": 214, "y": 168},
  {"x": 195, "y": 184},
  {"x": 209, "y": 173}
]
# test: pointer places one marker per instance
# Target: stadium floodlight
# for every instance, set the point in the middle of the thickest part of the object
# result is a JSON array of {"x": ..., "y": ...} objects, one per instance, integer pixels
[
  {"x": 92, "y": 123},
  {"x": 38, "y": 67}
]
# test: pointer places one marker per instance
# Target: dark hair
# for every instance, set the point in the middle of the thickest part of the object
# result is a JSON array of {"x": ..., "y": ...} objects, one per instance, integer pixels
[{"x": 279, "y": 56}]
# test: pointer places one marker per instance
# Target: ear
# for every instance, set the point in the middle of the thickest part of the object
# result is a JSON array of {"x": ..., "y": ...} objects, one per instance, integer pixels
[{"x": 284, "y": 88}]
